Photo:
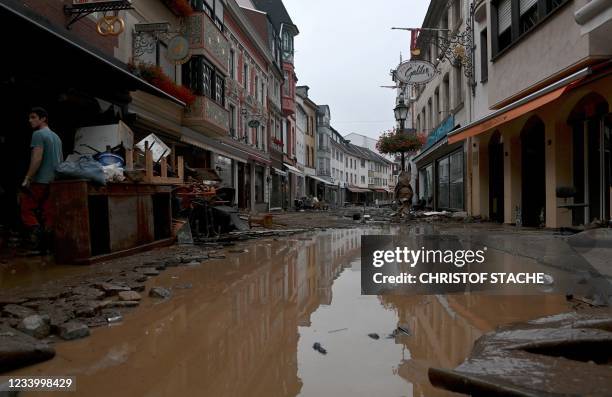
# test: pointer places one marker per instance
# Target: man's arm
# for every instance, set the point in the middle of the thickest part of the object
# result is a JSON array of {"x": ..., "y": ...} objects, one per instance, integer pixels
[{"x": 35, "y": 160}]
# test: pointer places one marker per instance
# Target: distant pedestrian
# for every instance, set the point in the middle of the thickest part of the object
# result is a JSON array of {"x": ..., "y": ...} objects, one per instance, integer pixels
[{"x": 46, "y": 154}]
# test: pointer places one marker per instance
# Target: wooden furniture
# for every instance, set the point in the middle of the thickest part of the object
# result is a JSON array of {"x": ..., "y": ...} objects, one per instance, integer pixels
[
  {"x": 96, "y": 223},
  {"x": 150, "y": 177}
]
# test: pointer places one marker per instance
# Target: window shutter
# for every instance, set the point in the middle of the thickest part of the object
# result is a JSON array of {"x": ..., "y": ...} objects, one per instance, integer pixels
[
  {"x": 504, "y": 15},
  {"x": 525, "y": 5}
]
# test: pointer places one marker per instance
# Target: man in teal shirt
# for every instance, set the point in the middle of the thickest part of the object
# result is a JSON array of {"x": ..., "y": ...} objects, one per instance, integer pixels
[{"x": 36, "y": 208}]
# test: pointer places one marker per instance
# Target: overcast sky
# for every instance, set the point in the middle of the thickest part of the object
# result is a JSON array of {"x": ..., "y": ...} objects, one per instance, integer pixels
[{"x": 344, "y": 53}]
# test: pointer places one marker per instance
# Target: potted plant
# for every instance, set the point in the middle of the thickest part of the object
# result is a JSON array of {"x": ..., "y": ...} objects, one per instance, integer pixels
[{"x": 155, "y": 75}]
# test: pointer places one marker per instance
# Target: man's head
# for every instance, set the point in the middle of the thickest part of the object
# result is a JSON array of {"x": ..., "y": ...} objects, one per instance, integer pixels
[{"x": 39, "y": 118}]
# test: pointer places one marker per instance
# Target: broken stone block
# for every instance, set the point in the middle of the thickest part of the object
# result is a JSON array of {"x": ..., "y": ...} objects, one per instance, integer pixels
[
  {"x": 121, "y": 304},
  {"x": 136, "y": 286},
  {"x": 159, "y": 292},
  {"x": 87, "y": 292},
  {"x": 112, "y": 289},
  {"x": 16, "y": 311},
  {"x": 73, "y": 330},
  {"x": 19, "y": 350},
  {"x": 35, "y": 325},
  {"x": 148, "y": 271},
  {"x": 129, "y": 296}
]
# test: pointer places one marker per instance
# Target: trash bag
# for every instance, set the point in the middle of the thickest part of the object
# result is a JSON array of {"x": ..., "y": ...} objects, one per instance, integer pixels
[
  {"x": 113, "y": 173},
  {"x": 85, "y": 167}
]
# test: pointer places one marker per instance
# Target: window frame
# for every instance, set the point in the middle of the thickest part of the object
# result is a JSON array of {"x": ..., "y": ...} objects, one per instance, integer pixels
[{"x": 543, "y": 14}]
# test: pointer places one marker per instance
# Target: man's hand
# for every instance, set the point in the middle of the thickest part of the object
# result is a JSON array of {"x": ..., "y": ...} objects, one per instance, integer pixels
[{"x": 26, "y": 182}]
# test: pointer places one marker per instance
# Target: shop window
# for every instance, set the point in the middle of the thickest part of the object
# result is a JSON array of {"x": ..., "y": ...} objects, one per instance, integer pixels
[
  {"x": 443, "y": 183},
  {"x": 225, "y": 171},
  {"x": 456, "y": 180}
]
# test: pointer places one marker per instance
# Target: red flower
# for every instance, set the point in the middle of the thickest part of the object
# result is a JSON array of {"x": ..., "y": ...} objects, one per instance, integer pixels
[
  {"x": 394, "y": 141},
  {"x": 156, "y": 76},
  {"x": 181, "y": 8}
]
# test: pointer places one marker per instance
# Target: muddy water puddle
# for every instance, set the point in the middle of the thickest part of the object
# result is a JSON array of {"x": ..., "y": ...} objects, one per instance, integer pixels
[{"x": 246, "y": 325}]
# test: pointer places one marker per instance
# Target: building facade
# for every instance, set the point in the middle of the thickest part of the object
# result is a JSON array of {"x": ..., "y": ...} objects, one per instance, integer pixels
[
  {"x": 310, "y": 110},
  {"x": 541, "y": 158},
  {"x": 440, "y": 106}
]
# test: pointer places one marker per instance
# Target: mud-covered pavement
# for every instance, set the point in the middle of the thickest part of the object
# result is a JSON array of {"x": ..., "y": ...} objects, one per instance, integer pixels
[{"x": 243, "y": 321}]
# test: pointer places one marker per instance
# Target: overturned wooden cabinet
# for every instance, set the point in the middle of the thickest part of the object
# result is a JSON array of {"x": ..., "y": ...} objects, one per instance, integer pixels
[{"x": 96, "y": 223}]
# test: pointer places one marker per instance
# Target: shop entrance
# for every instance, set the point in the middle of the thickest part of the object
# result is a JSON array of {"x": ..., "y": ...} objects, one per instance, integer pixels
[
  {"x": 591, "y": 124},
  {"x": 244, "y": 185},
  {"x": 496, "y": 178},
  {"x": 533, "y": 196}
]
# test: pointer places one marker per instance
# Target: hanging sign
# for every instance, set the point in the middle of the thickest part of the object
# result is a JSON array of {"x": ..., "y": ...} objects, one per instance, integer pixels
[
  {"x": 110, "y": 25},
  {"x": 178, "y": 50},
  {"x": 415, "y": 72}
]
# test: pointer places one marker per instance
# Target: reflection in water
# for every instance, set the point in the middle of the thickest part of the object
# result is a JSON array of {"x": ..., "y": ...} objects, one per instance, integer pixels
[{"x": 247, "y": 326}]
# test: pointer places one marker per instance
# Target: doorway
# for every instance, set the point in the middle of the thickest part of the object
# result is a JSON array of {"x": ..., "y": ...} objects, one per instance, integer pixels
[
  {"x": 496, "y": 178},
  {"x": 591, "y": 127},
  {"x": 244, "y": 186},
  {"x": 533, "y": 170}
]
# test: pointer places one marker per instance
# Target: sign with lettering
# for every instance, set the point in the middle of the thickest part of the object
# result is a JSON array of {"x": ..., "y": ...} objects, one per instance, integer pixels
[{"x": 415, "y": 72}]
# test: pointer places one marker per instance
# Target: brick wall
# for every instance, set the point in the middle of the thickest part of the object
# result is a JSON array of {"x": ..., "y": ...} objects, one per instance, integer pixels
[{"x": 84, "y": 29}]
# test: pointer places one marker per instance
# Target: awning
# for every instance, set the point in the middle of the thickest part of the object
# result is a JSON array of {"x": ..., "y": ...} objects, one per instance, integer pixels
[
  {"x": 357, "y": 189},
  {"x": 259, "y": 159},
  {"x": 194, "y": 138},
  {"x": 279, "y": 172},
  {"x": 292, "y": 169},
  {"x": 380, "y": 190},
  {"x": 517, "y": 109},
  {"x": 70, "y": 45},
  {"x": 316, "y": 178}
]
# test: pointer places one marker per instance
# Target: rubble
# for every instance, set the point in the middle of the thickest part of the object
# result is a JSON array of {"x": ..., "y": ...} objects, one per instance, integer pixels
[
  {"x": 129, "y": 296},
  {"x": 570, "y": 352},
  {"x": 35, "y": 325},
  {"x": 16, "y": 311},
  {"x": 159, "y": 292},
  {"x": 73, "y": 330},
  {"x": 18, "y": 349}
]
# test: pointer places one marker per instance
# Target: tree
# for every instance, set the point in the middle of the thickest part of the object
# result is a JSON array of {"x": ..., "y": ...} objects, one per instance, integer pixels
[{"x": 396, "y": 141}]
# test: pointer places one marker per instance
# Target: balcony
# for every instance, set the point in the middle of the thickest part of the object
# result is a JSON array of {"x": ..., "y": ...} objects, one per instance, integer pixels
[
  {"x": 206, "y": 116},
  {"x": 205, "y": 38},
  {"x": 288, "y": 106}
]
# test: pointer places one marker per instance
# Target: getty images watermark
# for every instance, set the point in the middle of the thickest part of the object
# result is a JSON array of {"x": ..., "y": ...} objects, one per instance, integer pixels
[{"x": 440, "y": 264}]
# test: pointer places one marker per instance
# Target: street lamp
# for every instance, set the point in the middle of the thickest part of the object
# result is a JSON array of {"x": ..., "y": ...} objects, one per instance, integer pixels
[{"x": 401, "y": 112}]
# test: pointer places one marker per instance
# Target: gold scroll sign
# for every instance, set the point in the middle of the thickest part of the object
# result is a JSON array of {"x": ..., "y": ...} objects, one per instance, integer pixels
[{"x": 110, "y": 25}]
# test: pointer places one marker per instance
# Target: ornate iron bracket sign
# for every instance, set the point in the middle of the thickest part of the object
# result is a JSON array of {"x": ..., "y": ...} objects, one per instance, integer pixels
[
  {"x": 455, "y": 47},
  {"x": 82, "y": 8}
]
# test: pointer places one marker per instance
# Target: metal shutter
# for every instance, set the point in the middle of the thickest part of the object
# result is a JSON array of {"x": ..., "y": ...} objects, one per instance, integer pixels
[
  {"x": 504, "y": 15},
  {"x": 525, "y": 5}
]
